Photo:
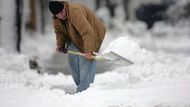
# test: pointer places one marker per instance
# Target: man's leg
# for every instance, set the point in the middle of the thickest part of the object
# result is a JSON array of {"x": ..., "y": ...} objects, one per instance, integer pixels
[
  {"x": 87, "y": 73},
  {"x": 83, "y": 71},
  {"x": 74, "y": 64}
]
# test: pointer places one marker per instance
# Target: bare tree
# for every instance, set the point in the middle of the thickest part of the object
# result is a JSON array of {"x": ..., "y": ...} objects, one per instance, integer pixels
[
  {"x": 32, "y": 21},
  {"x": 42, "y": 9},
  {"x": 19, "y": 8}
]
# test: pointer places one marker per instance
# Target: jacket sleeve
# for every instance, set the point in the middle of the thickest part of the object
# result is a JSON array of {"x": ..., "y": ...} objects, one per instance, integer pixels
[
  {"x": 86, "y": 31},
  {"x": 60, "y": 38}
]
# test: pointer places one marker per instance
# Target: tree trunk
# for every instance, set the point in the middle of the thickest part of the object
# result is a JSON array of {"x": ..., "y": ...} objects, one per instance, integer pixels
[
  {"x": 32, "y": 22},
  {"x": 126, "y": 6},
  {"x": 19, "y": 5},
  {"x": 42, "y": 18}
]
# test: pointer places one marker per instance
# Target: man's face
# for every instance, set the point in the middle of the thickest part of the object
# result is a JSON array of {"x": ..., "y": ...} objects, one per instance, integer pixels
[{"x": 61, "y": 15}]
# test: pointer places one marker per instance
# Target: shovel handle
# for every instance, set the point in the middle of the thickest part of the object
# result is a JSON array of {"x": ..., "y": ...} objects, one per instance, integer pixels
[
  {"x": 117, "y": 58},
  {"x": 75, "y": 53},
  {"x": 82, "y": 54}
]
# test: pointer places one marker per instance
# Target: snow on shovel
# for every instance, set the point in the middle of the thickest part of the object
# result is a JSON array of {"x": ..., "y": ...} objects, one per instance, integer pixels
[{"x": 110, "y": 57}]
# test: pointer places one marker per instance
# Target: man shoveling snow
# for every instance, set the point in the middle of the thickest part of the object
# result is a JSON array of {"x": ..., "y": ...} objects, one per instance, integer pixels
[{"x": 78, "y": 29}]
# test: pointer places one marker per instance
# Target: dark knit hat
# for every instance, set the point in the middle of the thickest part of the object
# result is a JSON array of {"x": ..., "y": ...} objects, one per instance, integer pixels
[{"x": 55, "y": 7}]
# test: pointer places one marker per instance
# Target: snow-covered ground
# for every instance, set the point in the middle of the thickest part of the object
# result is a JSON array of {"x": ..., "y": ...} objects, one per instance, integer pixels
[{"x": 156, "y": 79}]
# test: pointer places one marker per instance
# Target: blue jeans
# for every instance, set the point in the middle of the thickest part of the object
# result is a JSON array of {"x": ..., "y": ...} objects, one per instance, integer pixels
[{"x": 83, "y": 71}]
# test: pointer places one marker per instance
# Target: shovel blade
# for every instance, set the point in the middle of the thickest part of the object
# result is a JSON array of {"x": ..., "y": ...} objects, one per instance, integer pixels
[{"x": 113, "y": 57}]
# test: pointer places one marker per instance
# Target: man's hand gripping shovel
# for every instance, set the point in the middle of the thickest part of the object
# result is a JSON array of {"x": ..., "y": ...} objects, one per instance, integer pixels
[{"x": 110, "y": 57}]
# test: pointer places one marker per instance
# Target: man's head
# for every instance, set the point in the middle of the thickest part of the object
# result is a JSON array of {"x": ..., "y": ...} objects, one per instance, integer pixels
[{"x": 55, "y": 7}]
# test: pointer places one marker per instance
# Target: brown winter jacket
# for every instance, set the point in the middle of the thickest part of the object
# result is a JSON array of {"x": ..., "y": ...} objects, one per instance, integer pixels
[{"x": 83, "y": 28}]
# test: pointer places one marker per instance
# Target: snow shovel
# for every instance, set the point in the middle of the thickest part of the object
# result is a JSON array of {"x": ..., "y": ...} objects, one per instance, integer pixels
[{"x": 110, "y": 57}]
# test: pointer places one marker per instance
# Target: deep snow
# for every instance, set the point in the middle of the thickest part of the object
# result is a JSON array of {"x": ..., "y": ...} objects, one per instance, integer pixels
[
  {"x": 155, "y": 80},
  {"x": 160, "y": 76}
]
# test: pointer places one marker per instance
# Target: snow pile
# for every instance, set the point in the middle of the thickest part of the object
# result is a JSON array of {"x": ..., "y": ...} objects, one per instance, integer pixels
[
  {"x": 13, "y": 62},
  {"x": 14, "y": 70},
  {"x": 128, "y": 49},
  {"x": 148, "y": 67},
  {"x": 152, "y": 81},
  {"x": 145, "y": 74}
]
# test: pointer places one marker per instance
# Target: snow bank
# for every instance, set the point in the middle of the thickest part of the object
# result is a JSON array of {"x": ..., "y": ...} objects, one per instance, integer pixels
[
  {"x": 148, "y": 67},
  {"x": 153, "y": 81},
  {"x": 15, "y": 71},
  {"x": 128, "y": 49},
  {"x": 13, "y": 62}
]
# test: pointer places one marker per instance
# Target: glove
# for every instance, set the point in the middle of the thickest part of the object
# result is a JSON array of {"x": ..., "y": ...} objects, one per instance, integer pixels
[{"x": 61, "y": 49}]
